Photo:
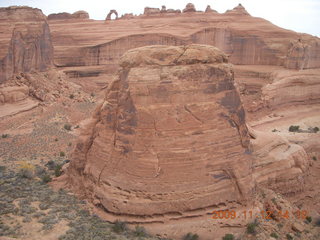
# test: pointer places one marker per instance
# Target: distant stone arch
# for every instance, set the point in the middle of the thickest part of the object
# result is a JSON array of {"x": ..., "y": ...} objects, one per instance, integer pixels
[{"x": 110, "y": 14}]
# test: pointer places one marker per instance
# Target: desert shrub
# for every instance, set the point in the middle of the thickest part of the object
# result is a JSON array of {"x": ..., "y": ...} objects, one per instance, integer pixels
[
  {"x": 251, "y": 228},
  {"x": 119, "y": 227},
  {"x": 228, "y": 237},
  {"x": 289, "y": 237},
  {"x": 71, "y": 96},
  {"x": 2, "y": 168},
  {"x": 46, "y": 178},
  {"x": 62, "y": 154},
  {"x": 314, "y": 158},
  {"x": 317, "y": 222},
  {"x": 140, "y": 231},
  {"x": 293, "y": 128},
  {"x": 274, "y": 130},
  {"x": 67, "y": 127},
  {"x": 274, "y": 200},
  {"x": 190, "y": 236},
  {"x": 51, "y": 165},
  {"x": 5, "y": 135},
  {"x": 57, "y": 170},
  {"x": 26, "y": 170},
  {"x": 274, "y": 235},
  {"x": 316, "y": 129},
  {"x": 92, "y": 94},
  {"x": 309, "y": 219}
]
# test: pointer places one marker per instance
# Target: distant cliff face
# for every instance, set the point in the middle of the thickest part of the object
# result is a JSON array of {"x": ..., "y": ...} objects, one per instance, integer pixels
[
  {"x": 170, "y": 137},
  {"x": 27, "y": 40}
]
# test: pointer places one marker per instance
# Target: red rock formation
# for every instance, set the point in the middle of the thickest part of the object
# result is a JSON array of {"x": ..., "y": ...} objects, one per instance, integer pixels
[
  {"x": 238, "y": 10},
  {"x": 151, "y": 11},
  {"x": 110, "y": 14},
  {"x": 210, "y": 10},
  {"x": 27, "y": 40},
  {"x": 154, "y": 146},
  {"x": 65, "y": 16},
  {"x": 189, "y": 8}
]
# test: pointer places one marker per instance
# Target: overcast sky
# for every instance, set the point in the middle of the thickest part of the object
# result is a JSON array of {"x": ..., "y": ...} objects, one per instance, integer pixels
[{"x": 297, "y": 15}]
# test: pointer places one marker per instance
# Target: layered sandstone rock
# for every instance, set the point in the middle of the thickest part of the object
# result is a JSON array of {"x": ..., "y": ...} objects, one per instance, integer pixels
[
  {"x": 247, "y": 40},
  {"x": 154, "y": 146},
  {"x": 65, "y": 16},
  {"x": 210, "y": 10},
  {"x": 26, "y": 41},
  {"x": 289, "y": 87}
]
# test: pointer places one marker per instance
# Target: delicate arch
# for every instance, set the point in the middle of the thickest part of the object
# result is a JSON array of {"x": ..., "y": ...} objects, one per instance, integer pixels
[{"x": 110, "y": 14}]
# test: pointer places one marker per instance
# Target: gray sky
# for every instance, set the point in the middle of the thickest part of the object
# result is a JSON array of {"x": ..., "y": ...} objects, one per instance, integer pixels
[{"x": 297, "y": 15}]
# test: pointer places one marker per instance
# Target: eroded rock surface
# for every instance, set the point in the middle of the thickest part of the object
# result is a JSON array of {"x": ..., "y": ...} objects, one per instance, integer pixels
[
  {"x": 26, "y": 42},
  {"x": 154, "y": 146}
]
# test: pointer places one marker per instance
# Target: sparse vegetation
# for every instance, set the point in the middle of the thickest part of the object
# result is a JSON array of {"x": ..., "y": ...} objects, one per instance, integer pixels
[
  {"x": 67, "y": 127},
  {"x": 274, "y": 235},
  {"x": 5, "y": 135},
  {"x": 62, "y": 154},
  {"x": 120, "y": 227},
  {"x": 251, "y": 228},
  {"x": 274, "y": 130},
  {"x": 26, "y": 170},
  {"x": 57, "y": 170},
  {"x": 293, "y": 128},
  {"x": 71, "y": 96},
  {"x": 46, "y": 178},
  {"x": 314, "y": 158},
  {"x": 228, "y": 237},
  {"x": 190, "y": 236},
  {"x": 315, "y": 129},
  {"x": 289, "y": 237},
  {"x": 140, "y": 231},
  {"x": 274, "y": 201}
]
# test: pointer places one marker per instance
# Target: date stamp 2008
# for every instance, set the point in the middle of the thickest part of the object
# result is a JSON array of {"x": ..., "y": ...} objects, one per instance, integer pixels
[{"x": 267, "y": 215}]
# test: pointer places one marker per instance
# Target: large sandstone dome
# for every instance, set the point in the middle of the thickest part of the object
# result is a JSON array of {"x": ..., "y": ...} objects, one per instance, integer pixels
[{"x": 169, "y": 137}]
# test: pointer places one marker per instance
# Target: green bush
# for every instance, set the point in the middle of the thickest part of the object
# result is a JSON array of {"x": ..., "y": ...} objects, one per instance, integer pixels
[
  {"x": 119, "y": 227},
  {"x": 316, "y": 129},
  {"x": 62, "y": 154},
  {"x": 67, "y": 127},
  {"x": 71, "y": 96},
  {"x": 46, "y": 178},
  {"x": 293, "y": 128},
  {"x": 228, "y": 237},
  {"x": 314, "y": 158},
  {"x": 251, "y": 228},
  {"x": 289, "y": 237},
  {"x": 309, "y": 219},
  {"x": 140, "y": 231},
  {"x": 5, "y": 135},
  {"x": 57, "y": 170},
  {"x": 190, "y": 236},
  {"x": 274, "y": 235}
]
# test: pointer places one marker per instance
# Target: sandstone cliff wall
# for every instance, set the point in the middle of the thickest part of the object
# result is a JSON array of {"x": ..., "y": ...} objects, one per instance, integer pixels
[{"x": 30, "y": 47}]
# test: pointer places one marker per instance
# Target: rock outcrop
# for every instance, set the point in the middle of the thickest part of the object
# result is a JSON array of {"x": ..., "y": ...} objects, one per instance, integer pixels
[
  {"x": 210, "y": 10},
  {"x": 155, "y": 145},
  {"x": 65, "y": 16},
  {"x": 238, "y": 10},
  {"x": 27, "y": 40},
  {"x": 189, "y": 8},
  {"x": 150, "y": 11}
]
